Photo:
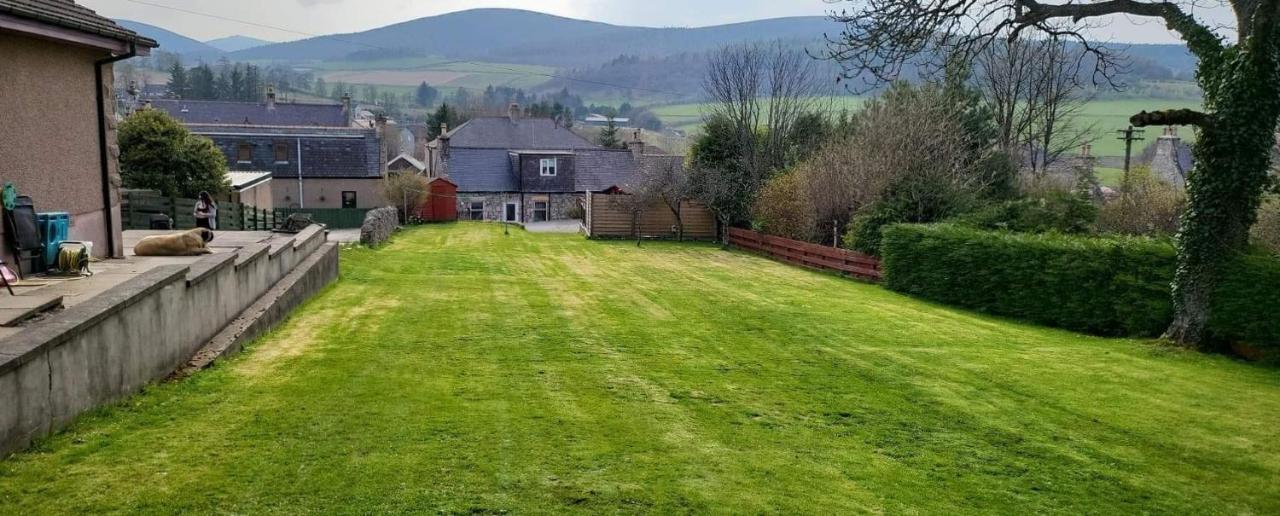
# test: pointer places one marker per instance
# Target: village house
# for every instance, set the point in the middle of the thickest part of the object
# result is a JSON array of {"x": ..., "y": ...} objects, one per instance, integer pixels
[
  {"x": 59, "y": 113},
  {"x": 517, "y": 169},
  {"x": 317, "y": 157}
]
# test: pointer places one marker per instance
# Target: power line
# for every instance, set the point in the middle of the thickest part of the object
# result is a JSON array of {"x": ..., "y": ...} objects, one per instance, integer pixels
[{"x": 370, "y": 45}]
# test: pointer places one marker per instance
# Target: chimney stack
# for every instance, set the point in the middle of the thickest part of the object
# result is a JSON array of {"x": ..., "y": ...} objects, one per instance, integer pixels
[
  {"x": 271, "y": 97},
  {"x": 636, "y": 145},
  {"x": 444, "y": 140},
  {"x": 513, "y": 112},
  {"x": 346, "y": 107}
]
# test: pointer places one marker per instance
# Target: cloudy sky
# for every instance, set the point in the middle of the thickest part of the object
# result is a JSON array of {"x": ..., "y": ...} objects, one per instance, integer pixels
[{"x": 338, "y": 16}]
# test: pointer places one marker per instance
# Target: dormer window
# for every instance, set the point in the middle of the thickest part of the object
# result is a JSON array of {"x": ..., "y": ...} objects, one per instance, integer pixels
[
  {"x": 244, "y": 153},
  {"x": 282, "y": 153},
  {"x": 547, "y": 167}
]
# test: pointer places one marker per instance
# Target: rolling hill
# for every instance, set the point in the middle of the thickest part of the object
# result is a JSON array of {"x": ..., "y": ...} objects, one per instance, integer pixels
[
  {"x": 237, "y": 43},
  {"x": 509, "y": 35},
  {"x": 173, "y": 42}
]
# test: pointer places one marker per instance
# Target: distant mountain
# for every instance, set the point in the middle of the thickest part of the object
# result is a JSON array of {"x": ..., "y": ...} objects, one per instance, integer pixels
[
  {"x": 516, "y": 36},
  {"x": 237, "y": 43},
  {"x": 173, "y": 42}
]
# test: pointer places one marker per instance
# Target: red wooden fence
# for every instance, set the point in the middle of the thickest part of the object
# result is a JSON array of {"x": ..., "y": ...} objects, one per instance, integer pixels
[{"x": 807, "y": 254}]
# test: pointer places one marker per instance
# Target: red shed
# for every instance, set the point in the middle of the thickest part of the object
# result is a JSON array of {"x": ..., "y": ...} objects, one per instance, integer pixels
[{"x": 442, "y": 201}]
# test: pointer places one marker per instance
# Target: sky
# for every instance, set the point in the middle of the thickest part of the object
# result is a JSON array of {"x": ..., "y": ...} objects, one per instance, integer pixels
[{"x": 341, "y": 16}]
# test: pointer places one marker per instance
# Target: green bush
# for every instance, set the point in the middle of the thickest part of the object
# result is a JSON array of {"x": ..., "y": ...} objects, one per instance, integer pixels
[
  {"x": 1063, "y": 212},
  {"x": 1101, "y": 285}
]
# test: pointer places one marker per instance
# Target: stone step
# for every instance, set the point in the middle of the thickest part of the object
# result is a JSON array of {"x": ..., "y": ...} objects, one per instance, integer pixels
[{"x": 16, "y": 309}]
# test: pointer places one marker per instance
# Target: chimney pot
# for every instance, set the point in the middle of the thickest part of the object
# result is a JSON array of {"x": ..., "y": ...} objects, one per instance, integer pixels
[
  {"x": 513, "y": 112},
  {"x": 271, "y": 96}
]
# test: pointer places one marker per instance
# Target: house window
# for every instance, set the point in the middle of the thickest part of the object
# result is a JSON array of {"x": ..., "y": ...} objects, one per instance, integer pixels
[
  {"x": 540, "y": 211},
  {"x": 547, "y": 167},
  {"x": 244, "y": 153},
  {"x": 348, "y": 199},
  {"x": 282, "y": 152},
  {"x": 476, "y": 210}
]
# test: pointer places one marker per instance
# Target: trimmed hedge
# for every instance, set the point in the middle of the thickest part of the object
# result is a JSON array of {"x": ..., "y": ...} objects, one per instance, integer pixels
[{"x": 1115, "y": 286}]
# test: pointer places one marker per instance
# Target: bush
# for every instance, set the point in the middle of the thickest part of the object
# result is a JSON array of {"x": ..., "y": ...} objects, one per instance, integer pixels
[
  {"x": 1059, "y": 211},
  {"x": 1106, "y": 286},
  {"x": 405, "y": 191},
  {"x": 1266, "y": 232},
  {"x": 1146, "y": 206},
  {"x": 783, "y": 210},
  {"x": 158, "y": 153},
  {"x": 1116, "y": 286}
]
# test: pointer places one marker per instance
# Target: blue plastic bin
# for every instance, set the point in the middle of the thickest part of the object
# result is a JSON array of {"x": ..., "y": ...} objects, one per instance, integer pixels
[{"x": 53, "y": 226}]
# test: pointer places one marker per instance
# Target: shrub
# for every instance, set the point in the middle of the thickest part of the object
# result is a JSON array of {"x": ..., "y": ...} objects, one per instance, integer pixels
[
  {"x": 1117, "y": 285},
  {"x": 405, "y": 191},
  {"x": 158, "y": 153},
  {"x": 782, "y": 208},
  {"x": 1106, "y": 286},
  {"x": 1266, "y": 232},
  {"x": 1059, "y": 211},
  {"x": 1146, "y": 206}
]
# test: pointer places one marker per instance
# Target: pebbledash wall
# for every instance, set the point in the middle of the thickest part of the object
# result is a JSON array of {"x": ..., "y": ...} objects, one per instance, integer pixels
[{"x": 146, "y": 328}]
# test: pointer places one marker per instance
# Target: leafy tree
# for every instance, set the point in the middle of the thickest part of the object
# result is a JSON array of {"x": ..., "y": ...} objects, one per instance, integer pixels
[
  {"x": 320, "y": 89},
  {"x": 178, "y": 84},
  {"x": 609, "y": 136},
  {"x": 425, "y": 96},
  {"x": 1240, "y": 80},
  {"x": 444, "y": 115},
  {"x": 157, "y": 152}
]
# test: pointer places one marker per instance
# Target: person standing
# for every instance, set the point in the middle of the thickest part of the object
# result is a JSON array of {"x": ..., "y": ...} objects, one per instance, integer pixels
[{"x": 206, "y": 212}]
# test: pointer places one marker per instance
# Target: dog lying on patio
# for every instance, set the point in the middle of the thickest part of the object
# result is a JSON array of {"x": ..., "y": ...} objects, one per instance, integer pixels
[{"x": 187, "y": 243}]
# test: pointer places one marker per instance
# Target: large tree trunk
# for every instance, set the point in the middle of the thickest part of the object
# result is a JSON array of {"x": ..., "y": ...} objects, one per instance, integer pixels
[{"x": 1224, "y": 190}]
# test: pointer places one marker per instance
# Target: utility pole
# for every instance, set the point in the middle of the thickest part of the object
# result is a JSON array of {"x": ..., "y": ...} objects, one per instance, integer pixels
[{"x": 1129, "y": 136}]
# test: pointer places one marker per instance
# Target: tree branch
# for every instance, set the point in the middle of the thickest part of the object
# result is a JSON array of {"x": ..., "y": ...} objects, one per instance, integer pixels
[
  {"x": 1202, "y": 41},
  {"x": 1171, "y": 117}
]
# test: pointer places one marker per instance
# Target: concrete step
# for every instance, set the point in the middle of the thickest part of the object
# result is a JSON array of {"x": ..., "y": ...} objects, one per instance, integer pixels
[{"x": 16, "y": 309}]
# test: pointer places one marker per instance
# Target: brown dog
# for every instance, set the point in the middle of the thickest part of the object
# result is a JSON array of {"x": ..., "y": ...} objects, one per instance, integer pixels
[{"x": 187, "y": 243}]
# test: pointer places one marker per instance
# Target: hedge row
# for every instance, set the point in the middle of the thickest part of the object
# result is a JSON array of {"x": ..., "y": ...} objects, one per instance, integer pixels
[{"x": 1102, "y": 285}]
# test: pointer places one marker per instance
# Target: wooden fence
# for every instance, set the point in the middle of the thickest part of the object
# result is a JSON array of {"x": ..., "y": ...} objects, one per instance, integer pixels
[
  {"x": 608, "y": 218},
  {"x": 138, "y": 207},
  {"x": 806, "y": 254}
]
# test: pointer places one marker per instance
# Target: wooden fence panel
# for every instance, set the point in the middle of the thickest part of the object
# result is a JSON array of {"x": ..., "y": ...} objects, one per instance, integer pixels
[
  {"x": 807, "y": 254},
  {"x": 610, "y": 219}
]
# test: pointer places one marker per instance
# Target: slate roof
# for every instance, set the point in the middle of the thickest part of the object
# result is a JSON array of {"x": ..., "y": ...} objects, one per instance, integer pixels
[
  {"x": 597, "y": 170},
  {"x": 523, "y": 133},
  {"x": 69, "y": 15},
  {"x": 482, "y": 170},
  {"x": 252, "y": 113},
  {"x": 410, "y": 160},
  {"x": 327, "y": 152}
]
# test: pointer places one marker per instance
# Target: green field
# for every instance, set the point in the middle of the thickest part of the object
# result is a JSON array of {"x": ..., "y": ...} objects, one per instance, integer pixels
[
  {"x": 438, "y": 72},
  {"x": 458, "y": 370},
  {"x": 1105, "y": 116}
]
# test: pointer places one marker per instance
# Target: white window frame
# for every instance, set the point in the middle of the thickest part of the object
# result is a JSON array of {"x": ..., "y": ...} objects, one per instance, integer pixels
[
  {"x": 547, "y": 167},
  {"x": 508, "y": 206},
  {"x": 471, "y": 209}
]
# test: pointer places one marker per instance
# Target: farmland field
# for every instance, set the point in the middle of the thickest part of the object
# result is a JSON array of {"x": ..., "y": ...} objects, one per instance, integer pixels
[
  {"x": 434, "y": 71},
  {"x": 1106, "y": 116},
  {"x": 460, "y": 370}
]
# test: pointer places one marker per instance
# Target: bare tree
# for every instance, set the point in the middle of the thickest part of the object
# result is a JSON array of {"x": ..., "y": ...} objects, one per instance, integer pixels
[
  {"x": 767, "y": 87},
  {"x": 1032, "y": 88},
  {"x": 1240, "y": 80},
  {"x": 667, "y": 181}
]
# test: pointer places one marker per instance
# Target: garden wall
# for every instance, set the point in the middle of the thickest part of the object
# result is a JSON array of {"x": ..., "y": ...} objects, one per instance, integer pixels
[
  {"x": 144, "y": 329},
  {"x": 378, "y": 226}
]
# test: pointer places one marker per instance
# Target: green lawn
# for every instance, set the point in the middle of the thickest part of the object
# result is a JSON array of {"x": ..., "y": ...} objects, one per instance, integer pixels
[{"x": 459, "y": 370}]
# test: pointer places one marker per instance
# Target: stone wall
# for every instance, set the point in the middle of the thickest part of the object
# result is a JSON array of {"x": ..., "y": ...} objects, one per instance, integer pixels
[
  {"x": 378, "y": 226},
  {"x": 559, "y": 204},
  {"x": 144, "y": 329}
]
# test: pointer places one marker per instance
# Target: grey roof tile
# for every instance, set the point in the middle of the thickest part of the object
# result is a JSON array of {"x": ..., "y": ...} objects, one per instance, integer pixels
[
  {"x": 482, "y": 170},
  {"x": 524, "y": 133},
  {"x": 253, "y": 113}
]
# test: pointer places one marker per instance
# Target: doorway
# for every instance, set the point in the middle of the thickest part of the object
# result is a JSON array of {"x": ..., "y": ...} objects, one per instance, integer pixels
[{"x": 511, "y": 213}]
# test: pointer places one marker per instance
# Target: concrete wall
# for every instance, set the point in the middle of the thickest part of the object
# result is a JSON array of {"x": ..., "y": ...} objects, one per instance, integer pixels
[
  {"x": 111, "y": 346},
  {"x": 259, "y": 195},
  {"x": 49, "y": 135},
  {"x": 327, "y": 193}
]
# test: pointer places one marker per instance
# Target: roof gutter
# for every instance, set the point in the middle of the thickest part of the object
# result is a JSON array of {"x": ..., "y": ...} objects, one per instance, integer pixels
[{"x": 103, "y": 153}]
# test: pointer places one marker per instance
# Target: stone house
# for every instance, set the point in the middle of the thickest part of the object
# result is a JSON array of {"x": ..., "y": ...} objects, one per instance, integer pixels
[
  {"x": 518, "y": 169},
  {"x": 316, "y": 157},
  {"x": 59, "y": 141}
]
